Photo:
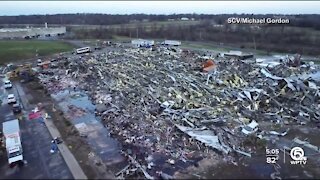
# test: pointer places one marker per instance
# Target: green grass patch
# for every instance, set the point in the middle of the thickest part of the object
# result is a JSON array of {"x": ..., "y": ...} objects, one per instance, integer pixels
[
  {"x": 153, "y": 23},
  {"x": 204, "y": 46},
  {"x": 121, "y": 38},
  {"x": 148, "y": 26},
  {"x": 14, "y": 50},
  {"x": 215, "y": 47}
]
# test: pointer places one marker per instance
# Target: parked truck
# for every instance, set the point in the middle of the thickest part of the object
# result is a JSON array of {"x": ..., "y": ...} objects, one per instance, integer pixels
[
  {"x": 12, "y": 140},
  {"x": 171, "y": 43}
]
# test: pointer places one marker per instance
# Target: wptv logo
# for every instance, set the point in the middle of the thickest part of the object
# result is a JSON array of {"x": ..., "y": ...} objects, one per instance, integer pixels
[{"x": 297, "y": 156}]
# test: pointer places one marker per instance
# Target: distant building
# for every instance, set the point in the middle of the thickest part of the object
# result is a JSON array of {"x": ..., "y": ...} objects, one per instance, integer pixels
[
  {"x": 256, "y": 28},
  {"x": 142, "y": 42},
  {"x": 145, "y": 20},
  {"x": 12, "y": 33},
  {"x": 170, "y": 19},
  {"x": 218, "y": 25},
  {"x": 184, "y": 19},
  {"x": 171, "y": 43}
]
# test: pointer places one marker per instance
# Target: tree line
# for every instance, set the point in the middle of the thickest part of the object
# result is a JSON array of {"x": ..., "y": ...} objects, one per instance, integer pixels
[{"x": 270, "y": 38}]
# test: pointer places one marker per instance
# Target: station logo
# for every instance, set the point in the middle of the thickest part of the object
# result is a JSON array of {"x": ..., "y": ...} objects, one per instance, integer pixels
[{"x": 297, "y": 156}]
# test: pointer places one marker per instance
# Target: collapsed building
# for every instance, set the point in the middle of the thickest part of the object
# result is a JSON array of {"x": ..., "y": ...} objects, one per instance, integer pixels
[{"x": 168, "y": 116}]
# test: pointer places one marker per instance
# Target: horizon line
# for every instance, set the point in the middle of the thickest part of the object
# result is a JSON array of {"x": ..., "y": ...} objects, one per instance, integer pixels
[{"x": 117, "y": 14}]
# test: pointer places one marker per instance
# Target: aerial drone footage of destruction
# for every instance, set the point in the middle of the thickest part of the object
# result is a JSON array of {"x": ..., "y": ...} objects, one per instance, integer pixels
[{"x": 89, "y": 90}]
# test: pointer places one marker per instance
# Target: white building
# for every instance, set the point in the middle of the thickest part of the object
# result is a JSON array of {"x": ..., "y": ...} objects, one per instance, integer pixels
[
  {"x": 142, "y": 42},
  {"x": 31, "y": 32},
  {"x": 171, "y": 43},
  {"x": 218, "y": 25},
  {"x": 184, "y": 19}
]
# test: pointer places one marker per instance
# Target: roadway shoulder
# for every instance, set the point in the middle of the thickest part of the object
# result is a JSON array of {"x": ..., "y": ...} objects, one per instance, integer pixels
[{"x": 70, "y": 160}]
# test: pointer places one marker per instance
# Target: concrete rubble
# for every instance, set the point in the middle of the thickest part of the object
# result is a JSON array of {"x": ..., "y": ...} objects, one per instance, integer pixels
[{"x": 157, "y": 103}]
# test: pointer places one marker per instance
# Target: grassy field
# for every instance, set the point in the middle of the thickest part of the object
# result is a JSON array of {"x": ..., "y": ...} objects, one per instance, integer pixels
[
  {"x": 13, "y": 50},
  {"x": 121, "y": 38},
  {"x": 199, "y": 45},
  {"x": 157, "y": 24},
  {"x": 128, "y": 39},
  {"x": 203, "y": 46},
  {"x": 134, "y": 25}
]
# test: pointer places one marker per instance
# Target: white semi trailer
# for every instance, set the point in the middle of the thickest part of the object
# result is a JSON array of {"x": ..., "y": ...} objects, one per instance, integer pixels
[
  {"x": 83, "y": 50},
  {"x": 171, "y": 43},
  {"x": 12, "y": 136}
]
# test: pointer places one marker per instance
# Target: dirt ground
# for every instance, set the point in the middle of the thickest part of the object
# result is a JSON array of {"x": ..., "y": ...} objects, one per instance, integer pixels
[{"x": 69, "y": 134}]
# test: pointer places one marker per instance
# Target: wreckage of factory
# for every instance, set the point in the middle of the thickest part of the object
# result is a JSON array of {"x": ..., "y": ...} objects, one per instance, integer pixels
[{"x": 167, "y": 115}]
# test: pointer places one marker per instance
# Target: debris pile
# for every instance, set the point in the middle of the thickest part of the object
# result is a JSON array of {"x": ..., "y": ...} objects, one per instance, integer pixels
[{"x": 162, "y": 108}]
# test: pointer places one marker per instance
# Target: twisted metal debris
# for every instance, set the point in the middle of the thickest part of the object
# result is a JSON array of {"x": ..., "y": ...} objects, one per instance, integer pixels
[{"x": 157, "y": 102}]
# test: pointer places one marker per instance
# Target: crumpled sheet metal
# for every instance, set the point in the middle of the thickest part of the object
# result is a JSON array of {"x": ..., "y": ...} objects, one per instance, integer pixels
[
  {"x": 146, "y": 92},
  {"x": 204, "y": 136},
  {"x": 269, "y": 75}
]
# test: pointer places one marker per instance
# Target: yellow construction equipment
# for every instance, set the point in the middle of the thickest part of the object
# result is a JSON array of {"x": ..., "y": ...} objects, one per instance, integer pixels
[{"x": 15, "y": 71}]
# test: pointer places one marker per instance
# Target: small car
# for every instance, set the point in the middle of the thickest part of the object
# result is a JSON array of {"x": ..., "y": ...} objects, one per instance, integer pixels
[
  {"x": 11, "y": 99},
  {"x": 16, "y": 108},
  {"x": 7, "y": 84}
]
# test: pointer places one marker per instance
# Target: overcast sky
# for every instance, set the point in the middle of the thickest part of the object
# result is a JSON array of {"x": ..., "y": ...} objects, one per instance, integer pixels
[{"x": 158, "y": 7}]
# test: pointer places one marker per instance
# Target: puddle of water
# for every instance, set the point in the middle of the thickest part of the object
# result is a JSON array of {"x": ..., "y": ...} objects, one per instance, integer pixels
[
  {"x": 98, "y": 137},
  {"x": 107, "y": 148}
]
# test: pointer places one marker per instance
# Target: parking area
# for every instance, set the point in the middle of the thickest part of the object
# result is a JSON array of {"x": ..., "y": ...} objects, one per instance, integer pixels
[{"x": 36, "y": 141}]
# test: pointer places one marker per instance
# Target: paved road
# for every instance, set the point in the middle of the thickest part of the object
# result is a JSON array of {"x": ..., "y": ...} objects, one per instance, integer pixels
[
  {"x": 77, "y": 43},
  {"x": 40, "y": 164}
]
